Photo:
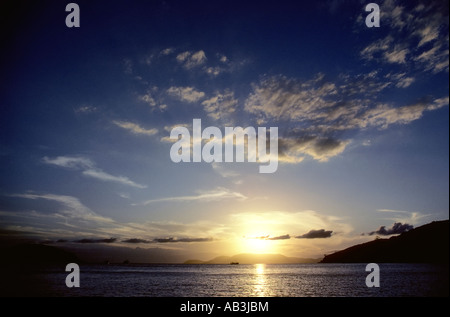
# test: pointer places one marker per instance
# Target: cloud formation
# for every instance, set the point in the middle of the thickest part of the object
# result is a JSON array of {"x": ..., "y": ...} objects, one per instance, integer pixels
[
  {"x": 283, "y": 237},
  {"x": 110, "y": 240},
  {"x": 316, "y": 234},
  {"x": 321, "y": 104},
  {"x": 89, "y": 169},
  {"x": 217, "y": 194},
  {"x": 418, "y": 38},
  {"x": 396, "y": 228},
  {"x": 136, "y": 240},
  {"x": 320, "y": 110},
  {"x": 135, "y": 128},
  {"x": 282, "y": 98},
  {"x": 221, "y": 105},
  {"x": 268, "y": 237},
  {"x": 73, "y": 162},
  {"x": 294, "y": 149},
  {"x": 175, "y": 240},
  {"x": 187, "y": 94},
  {"x": 72, "y": 208},
  {"x": 70, "y": 221},
  {"x": 190, "y": 60}
]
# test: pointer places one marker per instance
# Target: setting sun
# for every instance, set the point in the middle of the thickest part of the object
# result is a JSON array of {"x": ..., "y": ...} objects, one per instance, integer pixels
[
  {"x": 217, "y": 148},
  {"x": 258, "y": 244}
]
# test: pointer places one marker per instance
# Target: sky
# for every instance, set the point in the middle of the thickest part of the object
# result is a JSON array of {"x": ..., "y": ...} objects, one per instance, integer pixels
[{"x": 86, "y": 115}]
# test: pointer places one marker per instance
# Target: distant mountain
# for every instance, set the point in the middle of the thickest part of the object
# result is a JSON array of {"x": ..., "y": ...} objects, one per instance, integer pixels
[
  {"x": 249, "y": 258},
  {"x": 425, "y": 244}
]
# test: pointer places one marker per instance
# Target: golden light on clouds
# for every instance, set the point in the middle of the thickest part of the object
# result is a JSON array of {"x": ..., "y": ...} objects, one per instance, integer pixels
[
  {"x": 281, "y": 232},
  {"x": 258, "y": 245}
]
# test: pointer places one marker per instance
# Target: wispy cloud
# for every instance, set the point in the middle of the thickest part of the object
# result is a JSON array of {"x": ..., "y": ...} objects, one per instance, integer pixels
[
  {"x": 282, "y": 98},
  {"x": 98, "y": 174},
  {"x": 167, "y": 240},
  {"x": 190, "y": 60},
  {"x": 226, "y": 172},
  {"x": 135, "y": 128},
  {"x": 320, "y": 102},
  {"x": 89, "y": 169},
  {"x": 73, "y": 162},
  {"x": 72, "y": 207},
  {"x": 70, "y": 221},
  {"x": 385, "y": 49},
  {"x": 268, "y": 237},
  {"x": 394, "y": 211},
  {"x": 128, "y": 66},
  {"x": 421, "y": 41},
  {"x": 85, "y": 109},
  {"x": 402, "y": 80},
  {"x": 167, "y": 51},
  {"x": 295, "y": 149},
  {"x": 320, "y": 110},
  {"x": 282, "y": 237},
  {"x": 217, "y": 194},
  {"x": 187, "y": 94},
  {"x": 221, "y": 105},
  {"x": 404, "y": 216},
  {"x": 148, "y": 99},
  {"x": 153, "y": 97},
  {"x": 174, "y": 240}
]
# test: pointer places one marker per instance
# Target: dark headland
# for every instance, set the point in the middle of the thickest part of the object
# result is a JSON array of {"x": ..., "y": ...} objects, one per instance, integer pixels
[{"x": 425, "y": 244}]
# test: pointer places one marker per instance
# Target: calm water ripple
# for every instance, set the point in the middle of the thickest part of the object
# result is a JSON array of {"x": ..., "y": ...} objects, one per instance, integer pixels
[{"x": 289, "y": 280}]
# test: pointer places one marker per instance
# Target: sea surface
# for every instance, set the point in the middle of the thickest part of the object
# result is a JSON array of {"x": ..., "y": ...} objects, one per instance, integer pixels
[{"x": 267, "y": 280}]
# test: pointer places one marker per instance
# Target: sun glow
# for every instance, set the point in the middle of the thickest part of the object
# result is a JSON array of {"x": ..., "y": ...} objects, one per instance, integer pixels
[
  {"x": 262, "y": 232},
  {"x": 257, "y": 245}
]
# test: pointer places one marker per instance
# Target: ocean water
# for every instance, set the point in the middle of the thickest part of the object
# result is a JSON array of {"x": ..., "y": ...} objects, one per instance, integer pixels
[{"x": 267, "y": 280}]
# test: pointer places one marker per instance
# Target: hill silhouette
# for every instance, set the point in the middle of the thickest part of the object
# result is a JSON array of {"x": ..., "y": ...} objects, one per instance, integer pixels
[
  {"x": 425, "y": 244},
  {"x": 250, "y": 258},
  {"x": 19, "y": 266},
  {"x": 29, "y": 253}
]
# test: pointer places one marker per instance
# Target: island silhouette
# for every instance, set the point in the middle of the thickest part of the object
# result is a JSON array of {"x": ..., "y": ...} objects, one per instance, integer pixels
[{"x": 425, "y": 244}]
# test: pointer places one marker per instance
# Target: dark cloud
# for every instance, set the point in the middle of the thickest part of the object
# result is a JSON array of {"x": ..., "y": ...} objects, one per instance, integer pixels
[
  {"x": 397, "y": 228},
  {"x": 268, "y": 237},
  {"x": 8, "y": 232},
  {"x": 164, "y": 240},
  {"x": 283, "y": 237},
  {"x": 168, "y": 240},
  {"x": 47, "y": 241},
  {"x": 294, "y": 149},
  {"x": 194, "y": 240},
  {"x": 110, "y": 240},
  {"x": 135, "y": 240},
  {"x": 315, "y": 234}
]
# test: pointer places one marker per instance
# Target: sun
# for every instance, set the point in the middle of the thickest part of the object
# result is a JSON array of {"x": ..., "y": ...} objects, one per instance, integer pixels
[
  {"x": 260, "y": 233},
  {"x": 257, "y": 245}
]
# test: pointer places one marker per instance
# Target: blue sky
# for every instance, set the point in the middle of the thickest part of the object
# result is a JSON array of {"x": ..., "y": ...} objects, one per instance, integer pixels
[{"x": 86, "y": 115}]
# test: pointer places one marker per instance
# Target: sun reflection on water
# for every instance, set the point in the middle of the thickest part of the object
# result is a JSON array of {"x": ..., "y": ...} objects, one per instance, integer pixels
[{"x": 260, "y": 280}]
